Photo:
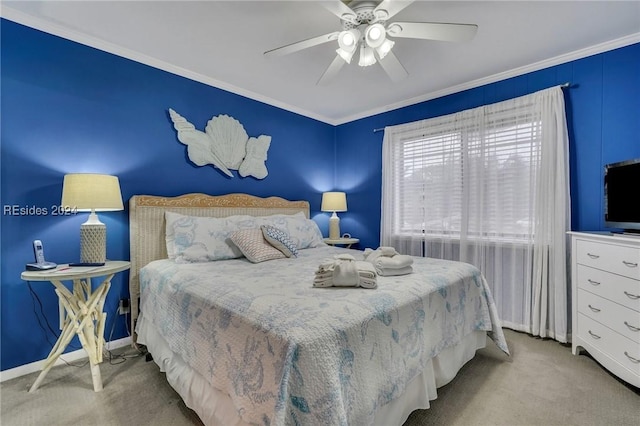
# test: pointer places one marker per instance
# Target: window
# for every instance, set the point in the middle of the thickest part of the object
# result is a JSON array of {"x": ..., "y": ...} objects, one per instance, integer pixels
[
  {"x": 488, "y": 186},
  {"x": 457, "y": 177}
]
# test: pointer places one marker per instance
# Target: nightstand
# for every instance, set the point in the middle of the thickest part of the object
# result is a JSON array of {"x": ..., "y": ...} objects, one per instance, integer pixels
[
  {"x": 341, "y": 241},
  {"x": 81, "y": 311}
]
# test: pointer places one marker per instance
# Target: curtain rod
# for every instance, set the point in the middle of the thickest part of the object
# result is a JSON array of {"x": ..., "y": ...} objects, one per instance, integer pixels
[{"x": 561, "y": 85}]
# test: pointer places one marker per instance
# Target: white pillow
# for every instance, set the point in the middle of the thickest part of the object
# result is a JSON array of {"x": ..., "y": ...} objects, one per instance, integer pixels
[
  {"x": 303, "y": 232},
  {"x": 206, "y": 236},
  {"x": 209, "y": 236}
]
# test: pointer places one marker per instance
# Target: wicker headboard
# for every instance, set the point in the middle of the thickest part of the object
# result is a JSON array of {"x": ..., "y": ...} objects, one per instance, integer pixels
[{"x": 147, "y": 224}]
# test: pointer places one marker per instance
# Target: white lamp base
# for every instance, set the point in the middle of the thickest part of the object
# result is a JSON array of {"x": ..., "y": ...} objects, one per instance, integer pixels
[
  {"x": 334, "y": 226},
  {"x": 93, "y": 240}
]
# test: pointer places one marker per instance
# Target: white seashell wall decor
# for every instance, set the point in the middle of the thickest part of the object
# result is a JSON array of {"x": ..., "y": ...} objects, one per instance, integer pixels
[
  {"x": 253, "y": 164},
  {"x": 199, "y": 145},
  {"x": 224, "y": 144},
  {"x": 229, "y": 139}
]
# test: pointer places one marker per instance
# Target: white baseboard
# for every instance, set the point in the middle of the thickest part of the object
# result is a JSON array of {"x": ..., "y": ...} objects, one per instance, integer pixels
[{"x": 22, "y": 370}]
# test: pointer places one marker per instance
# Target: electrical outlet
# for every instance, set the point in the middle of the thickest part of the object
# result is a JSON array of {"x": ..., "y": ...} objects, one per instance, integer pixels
[{"x": 124, "y": 307}]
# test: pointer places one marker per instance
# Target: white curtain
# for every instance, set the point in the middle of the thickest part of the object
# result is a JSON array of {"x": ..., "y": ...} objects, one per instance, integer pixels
[{"x": 488, "y": 186}]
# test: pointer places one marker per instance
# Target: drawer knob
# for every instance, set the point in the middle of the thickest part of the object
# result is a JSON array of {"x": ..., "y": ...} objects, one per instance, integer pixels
[
  {"x": 631, "y": 327},
  {"x": 632, "y": 296},
  {"x": 637, "y": 361},
  {"x": 593, "y": 256},
  {"x": 595, "y": 336},
  {"x": 630, "y": 264},
  {"x": 594, "y": 309},
  {"x": 592, "y": 282}
]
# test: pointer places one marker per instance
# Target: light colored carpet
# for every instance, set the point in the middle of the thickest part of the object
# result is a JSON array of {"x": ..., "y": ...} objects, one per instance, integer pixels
[{"x": 542, "y": 384}]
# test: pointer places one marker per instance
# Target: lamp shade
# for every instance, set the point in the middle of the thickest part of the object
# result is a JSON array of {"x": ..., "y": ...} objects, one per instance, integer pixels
[
  {"x": 348, "y": 42},
  {"x": 334, "y": 202},
  {"x": 367, "y": 57},
  {"x": 90, "y": 191},
  {"x": 385, "y": 48},
  {"x": 375, "y": 35}
]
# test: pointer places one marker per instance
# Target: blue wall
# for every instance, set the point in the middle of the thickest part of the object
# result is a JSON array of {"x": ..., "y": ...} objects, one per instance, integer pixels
[
  {"x": 603, "y": 114},
  {"x": 70, "y": 108}
]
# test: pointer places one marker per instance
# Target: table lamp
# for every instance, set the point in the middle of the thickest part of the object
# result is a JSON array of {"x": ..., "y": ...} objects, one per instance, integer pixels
[
  {"x": 334, "y": 202},
  {"x": 89, "y": 192}
]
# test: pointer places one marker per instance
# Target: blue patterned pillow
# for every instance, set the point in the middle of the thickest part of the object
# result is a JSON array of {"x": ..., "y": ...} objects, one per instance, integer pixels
[{"x": 280, "y": 240}]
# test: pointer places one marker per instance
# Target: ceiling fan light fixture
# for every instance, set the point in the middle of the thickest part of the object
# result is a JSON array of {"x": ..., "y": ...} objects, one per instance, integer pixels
[
  {"x": 346, "y": 55},
  {"x": 385, "y": 48},
  {"x": 349, "y": 39},
  {"x": 366, "y": 27},
  {"x": 366, "y": 56},
  {"x": 375, "y": 35}
]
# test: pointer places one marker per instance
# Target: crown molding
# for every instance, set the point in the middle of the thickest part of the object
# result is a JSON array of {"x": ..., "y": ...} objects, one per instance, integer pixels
[
  {"x": 97, "y": 43},
  {"x": 76, "y": 36},
  {"x": 557, "y": 60}
]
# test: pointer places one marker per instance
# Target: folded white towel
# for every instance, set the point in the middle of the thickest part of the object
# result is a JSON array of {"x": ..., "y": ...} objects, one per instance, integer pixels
[
  {"x": 365, "y": 269},
  {"x": 388, "y": 251},
  {"x": 370, "y": 255},
  {"x": 327, "y": 265},
  {"x": 323, "y": 282},
  {"x": 324, "y": 275},
  {"x": 345, "y": 271},
  {"x": 394, "y": 271},
  {"x": 367, "y": 274},
  {"x": 395, "y": 262},
  {"x": 387, "y": 261}
]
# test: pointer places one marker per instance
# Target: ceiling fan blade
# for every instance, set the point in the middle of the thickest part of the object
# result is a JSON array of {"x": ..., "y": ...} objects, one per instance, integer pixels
[
  {"x": 432, "y": 31},
  {"x": 331, "y": 71},
  {"x": 393, "y": 67},
  {"x": 304, "y": 44},
  {"x": 341, "y": 10},
  {"x": 388, "y": 8}
]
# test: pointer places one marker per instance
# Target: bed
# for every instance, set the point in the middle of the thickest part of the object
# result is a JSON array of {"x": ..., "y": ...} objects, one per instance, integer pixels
[{"x": 256, "y": 343}]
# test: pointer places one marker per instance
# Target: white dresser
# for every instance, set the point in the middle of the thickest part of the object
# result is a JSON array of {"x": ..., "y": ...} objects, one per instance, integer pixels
[{"x": 605, "y": 276}]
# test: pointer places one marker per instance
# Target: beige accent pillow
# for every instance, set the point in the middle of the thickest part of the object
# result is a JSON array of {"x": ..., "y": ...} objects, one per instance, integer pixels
[{"x": 252, "y": 244}]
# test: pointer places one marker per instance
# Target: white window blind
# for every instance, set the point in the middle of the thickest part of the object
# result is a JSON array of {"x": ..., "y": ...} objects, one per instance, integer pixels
[{"x": 457, "y": 176}]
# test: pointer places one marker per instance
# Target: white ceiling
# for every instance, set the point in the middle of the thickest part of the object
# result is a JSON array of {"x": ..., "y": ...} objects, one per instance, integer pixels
[{"x": 222, "y": 43}]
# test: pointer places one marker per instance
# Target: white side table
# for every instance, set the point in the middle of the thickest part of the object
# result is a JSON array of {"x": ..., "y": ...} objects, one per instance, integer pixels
[
  {"x": 342, "y": 241},
  {"x": 82, "y": 314}
]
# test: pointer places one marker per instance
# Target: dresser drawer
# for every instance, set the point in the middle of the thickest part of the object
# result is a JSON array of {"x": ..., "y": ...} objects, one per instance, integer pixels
[
  {"x": 618, "y": 318},
  {"x": 622, "y": 290},
  {"x": 624, "y": 351},
  {"x": 621, "y": 260}
]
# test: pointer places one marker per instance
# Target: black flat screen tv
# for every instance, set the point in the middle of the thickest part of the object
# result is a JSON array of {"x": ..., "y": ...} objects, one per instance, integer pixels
[{"x": 622, "y": 195}]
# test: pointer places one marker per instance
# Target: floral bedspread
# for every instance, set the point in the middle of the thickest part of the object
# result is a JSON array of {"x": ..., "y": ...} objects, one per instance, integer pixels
[{"x": 291, "y": 354}]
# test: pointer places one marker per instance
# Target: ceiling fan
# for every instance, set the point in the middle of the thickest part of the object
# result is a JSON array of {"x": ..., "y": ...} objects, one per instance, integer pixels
[{"x": 365, "y": 29}]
